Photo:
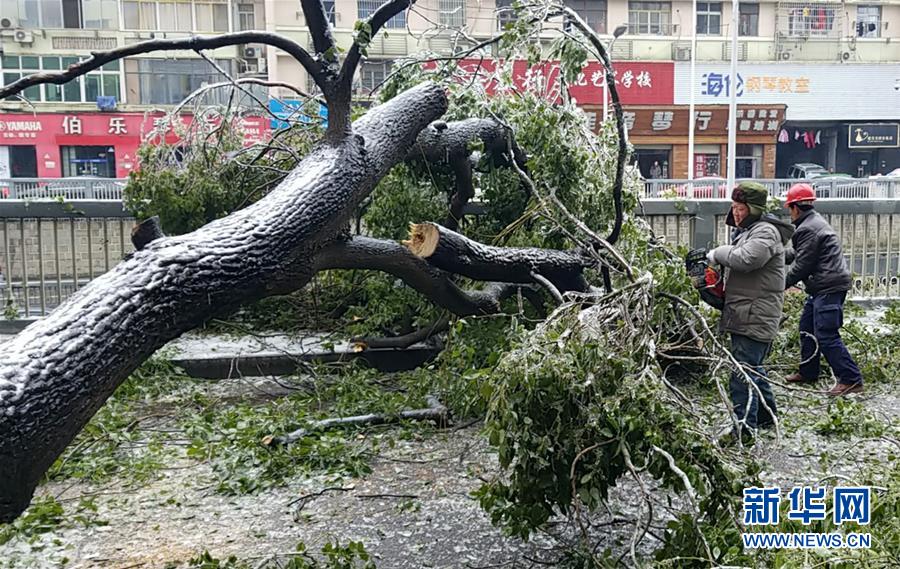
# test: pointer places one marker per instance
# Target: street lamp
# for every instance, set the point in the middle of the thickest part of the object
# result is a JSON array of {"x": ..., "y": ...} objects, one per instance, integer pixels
[{"x": 617, "y": 33}]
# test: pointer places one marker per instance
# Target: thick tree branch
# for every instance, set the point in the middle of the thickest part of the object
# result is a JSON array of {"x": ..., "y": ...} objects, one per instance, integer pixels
[
  {"x": 392, "y": 258},
  {"x": 320, "y": 29},
  {"x": 405, "y": 340},
  {"x": 460, "y": 144},
  {"x": 455, "y": 253},
  {"x": 375, "y": 22},
  {"x": 194, "y": 43}
]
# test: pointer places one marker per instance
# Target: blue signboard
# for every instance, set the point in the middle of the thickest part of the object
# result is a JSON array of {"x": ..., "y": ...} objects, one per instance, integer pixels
[{"x": 293, "y": 109}]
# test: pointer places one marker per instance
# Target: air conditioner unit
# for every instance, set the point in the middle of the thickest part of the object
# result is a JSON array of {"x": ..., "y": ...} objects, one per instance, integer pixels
[
  {"x": 784, "y": 55},
  {"x": 845, "y": 56},
  {"x": 7, "y": 23},
  {"x": 682, "y": 53},
  {"x": 251, "y": 52},
  {"x": 23, "y": 36}
]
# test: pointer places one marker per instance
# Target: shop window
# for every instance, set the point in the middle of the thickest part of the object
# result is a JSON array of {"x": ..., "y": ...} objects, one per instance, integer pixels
[
  {"x": 868, "y": 21},
  {"x": 22, "y": 162},
  {"x": 653, "y": 163},
  {"x": 86, "y": 89},
  {"x": 709, "y": 18},
  {"x": 98, "y": 161},
  {"x": 748, "y": 19},
  {"x": 748, "y": 162},
  {"x": 170, "y": 81},
  {"x": 367, "y": 7},
  {"x": 707, "y": 162},
  {"x": 593, "y": 12},
  {"x": 650, "y": 18}
]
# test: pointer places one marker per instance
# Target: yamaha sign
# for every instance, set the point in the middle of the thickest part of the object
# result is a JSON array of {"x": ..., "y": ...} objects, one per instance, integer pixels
[{"x": 880, "y": 135}]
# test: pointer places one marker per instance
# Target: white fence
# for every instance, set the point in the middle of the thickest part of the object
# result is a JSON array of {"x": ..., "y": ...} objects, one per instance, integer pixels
[
  {"x": 64, "y": 188},
  {"x": 715, "y": 188}
]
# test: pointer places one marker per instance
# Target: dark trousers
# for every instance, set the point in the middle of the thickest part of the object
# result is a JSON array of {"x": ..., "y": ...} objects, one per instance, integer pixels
[
  {"x": 745, "y": 398},
  {"x": 823, "y": 316}
]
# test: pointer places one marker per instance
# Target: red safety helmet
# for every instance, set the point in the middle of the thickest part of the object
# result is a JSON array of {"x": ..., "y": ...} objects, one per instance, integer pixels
[{"x": 800, "y": 193}]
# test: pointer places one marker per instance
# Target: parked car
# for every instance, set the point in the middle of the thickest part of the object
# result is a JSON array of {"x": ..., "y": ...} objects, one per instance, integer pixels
[{"x": 806, "y": 171}]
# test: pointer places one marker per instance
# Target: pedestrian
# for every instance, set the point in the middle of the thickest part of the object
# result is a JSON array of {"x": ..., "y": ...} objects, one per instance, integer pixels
[
  {"x": 754, "y": 297},
  {"x": 655, "y": 170},
  {"x": 818, "y": 261}
]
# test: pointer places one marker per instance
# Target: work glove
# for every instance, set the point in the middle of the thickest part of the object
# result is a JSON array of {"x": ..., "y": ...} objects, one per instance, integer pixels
[{"x": 711, "y": 257}]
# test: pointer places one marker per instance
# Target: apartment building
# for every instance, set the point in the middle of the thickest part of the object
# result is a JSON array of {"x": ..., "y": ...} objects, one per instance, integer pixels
[
  {"x": 817, "y": 81},
  {"x": 94, "y": 125}
]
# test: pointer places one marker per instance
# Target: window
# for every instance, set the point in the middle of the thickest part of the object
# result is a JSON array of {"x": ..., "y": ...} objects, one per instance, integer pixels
[
  {"x": 176, "y": 15},
  {"x": 651, "y": 18},
  {"x": 100, "y": 14},
  {"x": 593, "y": 12},
  {"x": 372, "y": 74},
  {"x": 748, "y": 19},
  {"x": 807, "y": 19},
  {"x": 246, "y": 17},
  {"x": 452, "y": 13},
  {"x": 88, "y": 161},
  {"x": 102, "y": 82},
  {"x": 329, "y": 11},
  {"x": 367, "y": 7},
  {"x": 169, "y": 81},
  {"x": 505, "y": 13},
  {"x": 868, "y": 21},
  {"x": 40, "y": 14},
  {"x": 709, "y": 18}
]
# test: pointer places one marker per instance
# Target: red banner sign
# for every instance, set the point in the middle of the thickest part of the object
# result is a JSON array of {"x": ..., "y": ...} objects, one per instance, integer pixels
[
  {"x": 638, "y": 82},
  {"x": 124, "y": 132}
]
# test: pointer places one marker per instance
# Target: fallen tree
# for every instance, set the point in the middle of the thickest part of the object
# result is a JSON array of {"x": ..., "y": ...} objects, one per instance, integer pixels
[{"x": 57, "y": 372}]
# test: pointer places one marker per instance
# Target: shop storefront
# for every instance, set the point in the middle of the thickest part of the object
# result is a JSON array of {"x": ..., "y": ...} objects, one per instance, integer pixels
[
  {"x": 659, "y": 134},
  {"x": 54, "y": 145},
  {"x": 825, "y": 103}
]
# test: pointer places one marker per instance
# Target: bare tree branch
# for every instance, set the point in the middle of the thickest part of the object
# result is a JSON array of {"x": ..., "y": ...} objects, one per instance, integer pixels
[{"x": 194, "y": 43}]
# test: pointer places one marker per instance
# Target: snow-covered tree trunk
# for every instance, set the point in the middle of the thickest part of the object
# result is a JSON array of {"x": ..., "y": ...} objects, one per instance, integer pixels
[{"x": 59, "y": 371}]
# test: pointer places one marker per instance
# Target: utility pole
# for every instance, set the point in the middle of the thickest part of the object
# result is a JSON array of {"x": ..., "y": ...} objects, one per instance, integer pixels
[
  {"x": 691, "y": 112},
  {"x": 732, "y": 101}
]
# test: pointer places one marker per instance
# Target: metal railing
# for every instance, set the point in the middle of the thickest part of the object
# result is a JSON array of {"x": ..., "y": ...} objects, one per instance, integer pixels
[
  {"x": 869, "y": 231},
  {"x": 48, "y": 250},
  {"x": 66, "y": 188},
  {"x": 715, "y": 188}
]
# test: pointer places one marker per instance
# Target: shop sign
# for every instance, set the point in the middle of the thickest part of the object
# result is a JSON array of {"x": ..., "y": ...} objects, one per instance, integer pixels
[
  {"x": 759, "y": 120},
  {"x": 636, "y": 82},
  {"x": 874, "y": 136},
  {"x": 811, "y": 91},
  {"x": 46, "y": 127}
]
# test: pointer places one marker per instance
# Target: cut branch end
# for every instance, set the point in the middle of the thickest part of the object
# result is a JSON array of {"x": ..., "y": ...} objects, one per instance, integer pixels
[{"x": 423, "y": 239}]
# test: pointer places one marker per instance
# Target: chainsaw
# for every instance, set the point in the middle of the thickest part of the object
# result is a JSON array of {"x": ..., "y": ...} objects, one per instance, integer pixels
[{"x": 706, "y": 279}]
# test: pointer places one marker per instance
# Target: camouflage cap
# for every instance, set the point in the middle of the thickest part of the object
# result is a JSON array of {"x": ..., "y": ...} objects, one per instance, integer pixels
[{"x": 753, "y": 194}]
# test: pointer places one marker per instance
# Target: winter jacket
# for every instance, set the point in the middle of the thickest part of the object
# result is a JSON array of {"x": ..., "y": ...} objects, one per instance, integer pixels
[
  {"x": 816, "y": 257},
  {"x": 754, "y": 271}
]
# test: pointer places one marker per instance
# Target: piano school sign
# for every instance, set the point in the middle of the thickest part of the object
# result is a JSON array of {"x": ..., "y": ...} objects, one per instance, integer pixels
[{"x": 877, "y": 135}]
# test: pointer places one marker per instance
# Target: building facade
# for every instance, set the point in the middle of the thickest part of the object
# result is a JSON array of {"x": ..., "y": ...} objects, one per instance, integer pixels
[{"x": 828, "y": 71}]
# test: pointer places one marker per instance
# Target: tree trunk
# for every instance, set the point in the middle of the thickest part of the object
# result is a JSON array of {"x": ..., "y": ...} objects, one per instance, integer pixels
[{"x": 59, "y": 371}]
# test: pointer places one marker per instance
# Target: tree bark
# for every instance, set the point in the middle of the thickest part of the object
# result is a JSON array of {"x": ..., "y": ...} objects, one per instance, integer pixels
[{"x": 58, "y": 372}]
